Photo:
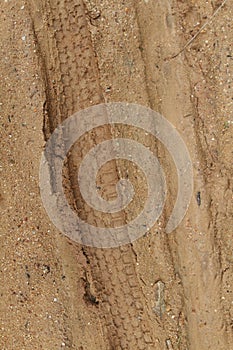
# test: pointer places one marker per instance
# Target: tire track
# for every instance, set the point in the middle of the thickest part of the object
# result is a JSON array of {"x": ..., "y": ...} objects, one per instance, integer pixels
[{"x": 71, "y": 81}]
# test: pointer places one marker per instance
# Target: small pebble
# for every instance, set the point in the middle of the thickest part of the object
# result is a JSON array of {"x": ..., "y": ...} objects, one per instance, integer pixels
[{"x": 169, "y": 344}]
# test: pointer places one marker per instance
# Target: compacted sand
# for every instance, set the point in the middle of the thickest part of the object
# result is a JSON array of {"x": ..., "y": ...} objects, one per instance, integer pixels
[{"x": 163, "y": 291}]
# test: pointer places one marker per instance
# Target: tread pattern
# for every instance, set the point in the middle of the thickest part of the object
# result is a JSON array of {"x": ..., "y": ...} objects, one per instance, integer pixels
[{"x": 71, "y": 80}]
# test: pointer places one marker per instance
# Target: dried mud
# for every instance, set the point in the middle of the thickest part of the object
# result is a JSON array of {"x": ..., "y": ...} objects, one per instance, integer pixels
[{"x": 162, "y": 291}]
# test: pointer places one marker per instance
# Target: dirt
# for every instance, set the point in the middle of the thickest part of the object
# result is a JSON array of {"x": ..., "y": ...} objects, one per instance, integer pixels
[{"x": 162, "y": 291}]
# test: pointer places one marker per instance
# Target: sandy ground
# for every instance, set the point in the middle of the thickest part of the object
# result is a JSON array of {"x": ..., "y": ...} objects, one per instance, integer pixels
[{"x": 163, "y": 291}]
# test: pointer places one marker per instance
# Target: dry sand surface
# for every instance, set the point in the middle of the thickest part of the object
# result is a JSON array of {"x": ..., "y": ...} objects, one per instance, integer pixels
[{"x": 162, "y": 291}]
